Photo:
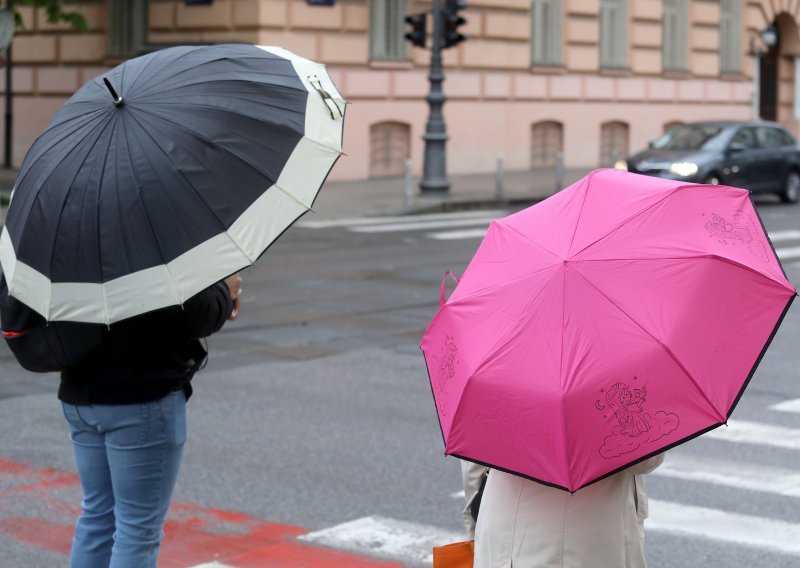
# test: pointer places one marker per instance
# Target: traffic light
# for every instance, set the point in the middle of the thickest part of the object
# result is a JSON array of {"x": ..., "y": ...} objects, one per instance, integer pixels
[
  {"x": 417, "y": 34},
  {"x": 452, "y": 21}
]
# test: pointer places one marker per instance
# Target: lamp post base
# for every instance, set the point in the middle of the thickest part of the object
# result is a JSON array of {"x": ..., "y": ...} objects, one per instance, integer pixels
[{"x": 435, "y": 186}]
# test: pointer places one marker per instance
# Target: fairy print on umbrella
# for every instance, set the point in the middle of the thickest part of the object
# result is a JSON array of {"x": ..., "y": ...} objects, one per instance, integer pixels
[
  {"x": 445, "y": 365},
  {"x": 739, "y": 230},
  {"x": 634, "y": 425}
]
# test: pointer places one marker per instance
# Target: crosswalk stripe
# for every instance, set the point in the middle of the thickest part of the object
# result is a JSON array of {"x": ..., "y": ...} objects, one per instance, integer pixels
[
  {"x": 787, "y": 406},
  {"x": 788, "y": 253},
  {"x": 420, "y": 225},
  {"x": 750, "y": 477},
  {"x": 357, "y": 221},
  {"x": 735, "y": 528},
  {"x": 784, "y": 235},
  {"x": 464, "y": 234},
  {"x": 744, "y": 432},
  {"x": 387, "y": 538}
]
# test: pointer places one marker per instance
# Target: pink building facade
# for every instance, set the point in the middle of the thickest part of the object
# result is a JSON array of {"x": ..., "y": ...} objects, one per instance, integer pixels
[{"x": 590, "y": 79}]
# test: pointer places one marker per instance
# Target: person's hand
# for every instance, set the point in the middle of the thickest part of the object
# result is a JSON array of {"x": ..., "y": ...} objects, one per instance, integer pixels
[{"x": 234, "y": 283}]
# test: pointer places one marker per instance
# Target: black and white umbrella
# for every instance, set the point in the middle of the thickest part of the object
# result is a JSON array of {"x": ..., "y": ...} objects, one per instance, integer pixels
[{"x": 165, "y": 175}]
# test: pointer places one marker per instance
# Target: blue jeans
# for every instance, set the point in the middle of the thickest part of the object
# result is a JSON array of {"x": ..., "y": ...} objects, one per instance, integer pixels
[{"x": 128, "y": 458}]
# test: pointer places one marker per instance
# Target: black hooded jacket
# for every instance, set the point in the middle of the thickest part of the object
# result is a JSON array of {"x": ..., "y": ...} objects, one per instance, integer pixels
[{"x": 136, "y": 360}]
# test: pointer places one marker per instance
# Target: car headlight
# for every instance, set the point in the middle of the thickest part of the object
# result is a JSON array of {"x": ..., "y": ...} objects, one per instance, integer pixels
[
  {"x": 621, "y": 165},
  {"x": 683, "y": 169}
]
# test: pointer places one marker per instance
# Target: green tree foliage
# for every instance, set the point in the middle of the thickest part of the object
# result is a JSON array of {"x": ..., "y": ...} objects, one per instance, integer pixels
[{"x": 55, "y": 13}]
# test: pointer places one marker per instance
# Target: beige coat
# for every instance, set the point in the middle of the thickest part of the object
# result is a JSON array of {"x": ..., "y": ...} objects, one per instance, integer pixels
[{"x": 524, "y": 524}]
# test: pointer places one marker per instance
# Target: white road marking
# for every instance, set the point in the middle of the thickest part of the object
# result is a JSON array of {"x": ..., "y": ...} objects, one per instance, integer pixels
[
  {"x": 743, "y": 432},
  {"x": 735, "y": 528},
  {"x": 784, "y": 235},
  {"x": 788, "y": 253},
  {"x": 212, "y": 565},
  {"x": 422, "y": 224},
  {"x": 387, "y": 538},
  {"x": 357, "y": 221},
  {"x": 465, "y": 234},
  {"x": 787, "y": 406},
  {"x": 750, "y": 477}
]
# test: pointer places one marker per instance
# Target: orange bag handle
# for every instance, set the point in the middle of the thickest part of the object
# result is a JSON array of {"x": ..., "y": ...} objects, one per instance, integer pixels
[{"x": 456, "y": 555}]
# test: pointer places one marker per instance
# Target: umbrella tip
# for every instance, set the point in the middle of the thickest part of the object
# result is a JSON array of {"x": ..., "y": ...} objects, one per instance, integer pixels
[{"x": 117, "y": 98}]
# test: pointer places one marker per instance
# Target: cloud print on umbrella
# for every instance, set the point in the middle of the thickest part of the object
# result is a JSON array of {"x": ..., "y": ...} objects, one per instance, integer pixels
[{"x": 635, "y": 426}]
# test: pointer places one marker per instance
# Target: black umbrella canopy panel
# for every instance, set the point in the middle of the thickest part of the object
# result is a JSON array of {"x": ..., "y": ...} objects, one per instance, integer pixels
[{"x": 159, "y": 169}]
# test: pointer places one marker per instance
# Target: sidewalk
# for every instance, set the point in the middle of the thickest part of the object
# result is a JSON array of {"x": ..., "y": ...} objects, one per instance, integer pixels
[{"x": 386, "y": 196}]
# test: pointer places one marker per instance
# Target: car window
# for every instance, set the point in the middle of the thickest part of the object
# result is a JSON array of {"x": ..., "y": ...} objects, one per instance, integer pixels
[
  {"x": 688, "y": 137},
  {"x": 769, "y": 137},
  {"x": 745, "y": 138},
  {"x": 787, "y": 138}
]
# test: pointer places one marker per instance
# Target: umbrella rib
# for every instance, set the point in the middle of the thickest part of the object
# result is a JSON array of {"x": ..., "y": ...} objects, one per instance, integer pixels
[
  {"x": 206, "y": 81},
  {"x": 561, "y": 374},
  {"x": 164, "y": 262},
  {"x": 205, "y": 142},
  {"x": 160, "y": 116},
  {"x": 505, "y": 284},
  {"x": 687, "y": 257},
  {"x": 580, "y": 213},
  {"x": 215, "y": 59},
  {"x": 720, "y": 416},
  {"x": 628, "y": 220},
  {"x": 29, "y": 167},
  {"x": 189, "y": 184},
  {"x": 64, "y": 202}
]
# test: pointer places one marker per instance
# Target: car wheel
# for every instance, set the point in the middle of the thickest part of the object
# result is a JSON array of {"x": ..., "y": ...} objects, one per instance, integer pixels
[
  {"x": 712, "y": 179},
  {"x": 791, "y": 189}
]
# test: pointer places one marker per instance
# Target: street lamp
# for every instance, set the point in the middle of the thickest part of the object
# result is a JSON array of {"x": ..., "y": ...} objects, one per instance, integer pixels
[{"x": 770, "y": 36}]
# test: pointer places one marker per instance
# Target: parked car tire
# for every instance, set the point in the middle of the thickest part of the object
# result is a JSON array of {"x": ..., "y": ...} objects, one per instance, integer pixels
[{"x": 791, "y": 189}]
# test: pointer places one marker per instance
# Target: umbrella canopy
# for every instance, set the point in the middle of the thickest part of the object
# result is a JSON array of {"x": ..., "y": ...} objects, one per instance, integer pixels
[
  {"x": 165, "y": 175},
  {"x": 618, "y": 318}
]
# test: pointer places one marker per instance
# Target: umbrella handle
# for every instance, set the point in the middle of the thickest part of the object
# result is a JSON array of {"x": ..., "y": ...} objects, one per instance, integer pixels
[{"x": 444, "y": 282}]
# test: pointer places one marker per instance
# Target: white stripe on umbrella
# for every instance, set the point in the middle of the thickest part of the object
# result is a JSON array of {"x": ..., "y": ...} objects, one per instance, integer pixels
[{"x": 247, "y": 238}]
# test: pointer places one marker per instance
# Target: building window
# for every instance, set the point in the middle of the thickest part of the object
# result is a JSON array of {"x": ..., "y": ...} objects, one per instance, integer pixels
[
  {"x": 127, "y": 24},
  {"x": 675, "y": 28},
  {"x": 730, "y": 36},
  {"x": 613, "y": 34},
  {"x": 389, "y": 148},
  {"x": 387, "y": 30},
  {"x": 547, "y": 141},
  {"x": 613, "y": 142},
  {"x": 546, "y": 32}
]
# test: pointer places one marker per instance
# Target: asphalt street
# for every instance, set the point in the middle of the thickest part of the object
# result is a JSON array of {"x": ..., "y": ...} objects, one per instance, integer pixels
[{"x": 315, "y": 411}]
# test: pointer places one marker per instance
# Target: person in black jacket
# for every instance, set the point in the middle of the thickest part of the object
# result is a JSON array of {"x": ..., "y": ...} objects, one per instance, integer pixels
[{"x": 125, "y": 404}]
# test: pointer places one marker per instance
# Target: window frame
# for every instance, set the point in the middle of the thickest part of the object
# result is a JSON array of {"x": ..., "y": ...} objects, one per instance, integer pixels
[
  {"x": 675, "y": 35},
  {"x": 546, "y": 33},
  {"x": 613, "y": 23},
  {"x": 387, "y": 29},
  {"x": 730, "y": 36}
]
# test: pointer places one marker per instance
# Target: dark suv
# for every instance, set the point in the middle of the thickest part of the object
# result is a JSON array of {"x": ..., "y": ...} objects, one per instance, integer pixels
[{"x": 759, "y": 156}]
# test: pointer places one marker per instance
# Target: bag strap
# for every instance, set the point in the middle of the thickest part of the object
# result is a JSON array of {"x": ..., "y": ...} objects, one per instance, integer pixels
[{"x": 444, "y": 283}]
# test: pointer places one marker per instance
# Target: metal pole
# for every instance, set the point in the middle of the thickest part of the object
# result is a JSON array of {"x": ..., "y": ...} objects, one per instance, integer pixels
[
  {"x": 434, "y": 170},
  {"x": 757, "y": 85},
  {"x": 498, "y": 179},
  {"x": 559, "y": 171},
  {"x": 9, "y": 101},
  {"x": 408, "y": 185}
]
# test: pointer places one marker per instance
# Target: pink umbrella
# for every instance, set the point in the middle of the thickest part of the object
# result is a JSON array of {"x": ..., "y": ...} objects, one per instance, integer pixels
[{"x": 620, "y": 317}]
